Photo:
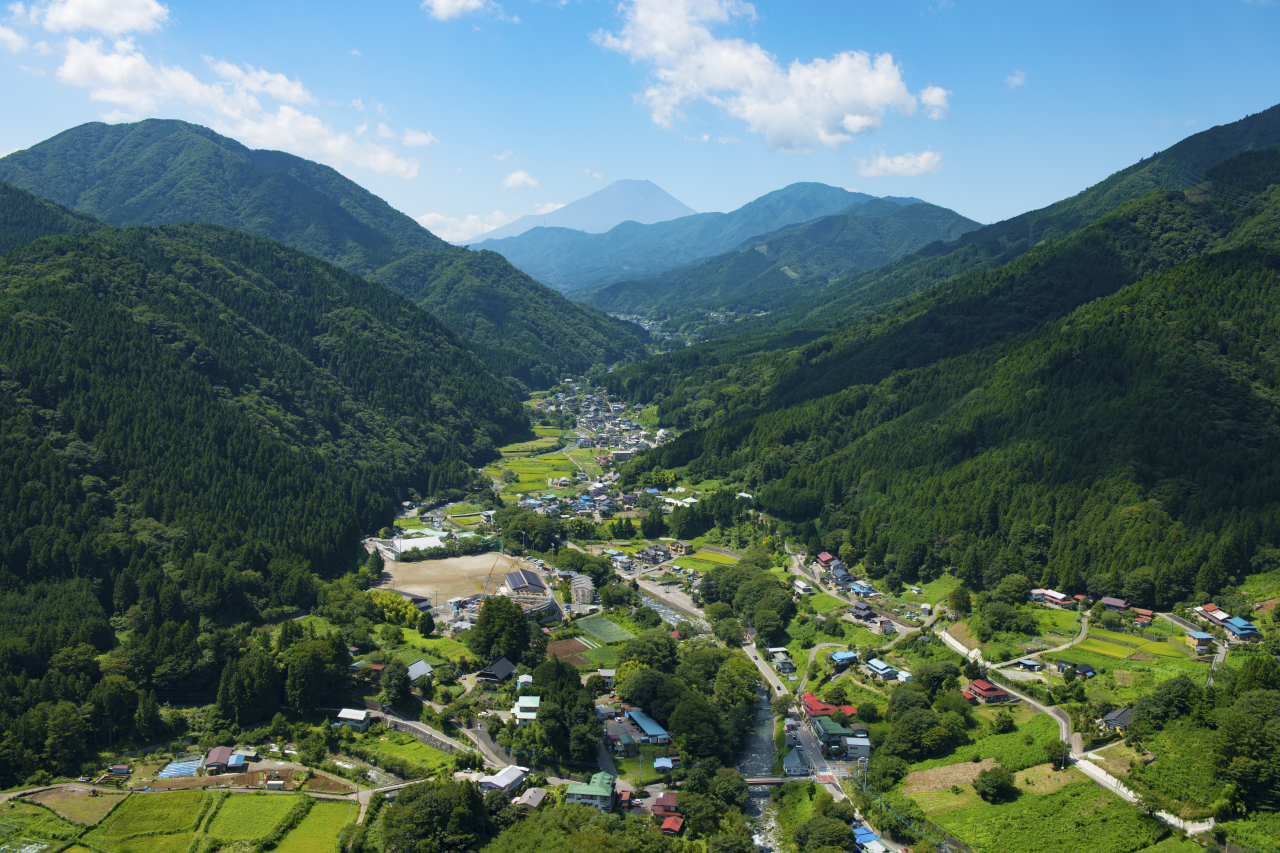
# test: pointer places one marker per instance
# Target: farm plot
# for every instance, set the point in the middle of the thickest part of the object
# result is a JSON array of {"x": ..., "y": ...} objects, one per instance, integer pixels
[
  {"x": 319, "y": 830},
  {"x": 568, "y": 651},
  {"x": 713, "y": 557},
  {"x": 75, "y": 804},
  {"x": 1151, "y": 647},
  {"x": 824, "y": 604},
  {"x": 176, "y": 842},
  {"x": 605, "y": 631},
  {"x": 1102, "y": 647},
  {"x": 154, "y": 812},
  {"x": 23, "y": 825},
  {"x": 244, "y": 817}
]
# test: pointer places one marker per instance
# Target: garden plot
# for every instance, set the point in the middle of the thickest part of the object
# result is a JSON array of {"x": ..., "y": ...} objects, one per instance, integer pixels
[{"x": 1151, "y": 647}]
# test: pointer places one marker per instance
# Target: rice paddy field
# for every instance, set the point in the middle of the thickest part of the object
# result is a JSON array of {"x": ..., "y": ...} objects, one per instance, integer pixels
[
  {"x": 245, "y": 817},
  {"x": 712, "y": 557},
  {"x": 152, "y": 812},
  {"x": 538, "y": 444},
  {"x": 320, "y": 830},
  {"x": 605, "y": 631}
]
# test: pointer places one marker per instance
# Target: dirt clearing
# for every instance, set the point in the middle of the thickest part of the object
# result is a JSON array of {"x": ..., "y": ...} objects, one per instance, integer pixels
[
  {"x": 451, "y": 578},
  {"x": 942, "y": 778}
]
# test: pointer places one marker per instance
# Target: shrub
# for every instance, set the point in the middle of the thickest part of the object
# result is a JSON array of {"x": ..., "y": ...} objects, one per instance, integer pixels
[{"x": 996, "y": 785}]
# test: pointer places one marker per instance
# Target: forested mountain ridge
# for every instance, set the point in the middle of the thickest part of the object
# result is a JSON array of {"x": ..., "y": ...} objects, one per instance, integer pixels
[
  {"x": 572, "y": 260},
  {"x": 167, "y": 172},
  {"x": 1120, "y": 443},
  {"x": 25, "y": 217},
  {"x": 862, "y": 294},
  {"x": 778, "y": 269},
  {"x": 216, "y": 402}
]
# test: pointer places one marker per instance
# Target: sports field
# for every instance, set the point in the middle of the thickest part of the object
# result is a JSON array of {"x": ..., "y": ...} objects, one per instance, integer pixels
[
  {"x": 605, "y": 631},
  {"x": 449, "y": 578}
]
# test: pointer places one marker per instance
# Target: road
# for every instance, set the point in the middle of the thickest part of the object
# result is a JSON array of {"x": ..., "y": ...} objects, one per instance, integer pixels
[
  {"x": 1078, "y": 758},
  {"x": 1084, "y": 630},
  {"x": 1220, "y": 648}
]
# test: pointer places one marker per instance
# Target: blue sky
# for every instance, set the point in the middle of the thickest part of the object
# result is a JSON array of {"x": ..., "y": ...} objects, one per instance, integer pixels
[{"x": 469, "y": 113}]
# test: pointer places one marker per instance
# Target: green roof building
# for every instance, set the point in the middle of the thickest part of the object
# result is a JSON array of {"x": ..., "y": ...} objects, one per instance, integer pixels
[
  {"x": 830, "y": 731},
  {"x": 598, "y": 792}
]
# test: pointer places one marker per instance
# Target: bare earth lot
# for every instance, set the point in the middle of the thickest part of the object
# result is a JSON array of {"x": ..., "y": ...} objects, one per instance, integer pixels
[
  {"x": 568, "y": 651},
  {"x": 454, "y": 577},
  {"x": 82, "y": 805},
  {"x": 942, "y": 778}
]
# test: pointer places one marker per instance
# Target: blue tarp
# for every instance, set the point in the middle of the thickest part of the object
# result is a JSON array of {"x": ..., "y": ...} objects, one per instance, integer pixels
[{"x": 176, "y": 769}]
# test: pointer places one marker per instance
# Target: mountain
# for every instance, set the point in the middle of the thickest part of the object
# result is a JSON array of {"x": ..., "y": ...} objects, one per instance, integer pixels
[
  {"x": 622, "y": 201},
  {"x": 571, "y": 260},
  {"x": 200, "y": 421},
  {"x": 1099, "y": 415},
  {"x": 787, "y": 266},
  {"x": 862, "y": 294},
  {"x": 166, "y": 172}
]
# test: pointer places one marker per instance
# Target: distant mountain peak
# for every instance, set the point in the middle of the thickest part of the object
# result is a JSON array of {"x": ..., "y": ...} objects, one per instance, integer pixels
[{"x": 622, "y": 201}]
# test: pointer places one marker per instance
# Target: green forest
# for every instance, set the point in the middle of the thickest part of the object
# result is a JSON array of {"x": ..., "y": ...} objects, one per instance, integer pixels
[
  {"x": 1134, "y": 436},
  {"x": 169, "y": 172},
  {"x": 198, "y": 425}
]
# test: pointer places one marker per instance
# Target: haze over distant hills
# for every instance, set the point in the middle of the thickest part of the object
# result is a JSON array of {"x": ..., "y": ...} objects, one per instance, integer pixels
[
  {"x": 571, "y": 260},
  {"x": 622, "y": 201},
  {"x": 159, "y": 172},
  {"x": 788, "y": 265}
]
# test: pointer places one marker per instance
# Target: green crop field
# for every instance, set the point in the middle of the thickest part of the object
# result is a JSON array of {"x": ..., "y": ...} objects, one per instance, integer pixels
[
  {"x": 1101, "y": 647},
  {"x": 24, "y": 820},
  {"x": 176, "y": 842},
  {"x": 605, "y": 631},
  {"x": 152, "y": 812},
  {"x": 1079, "y": 816},
  {"x": 554, "y": 432},
  {"x": 696, "y": 563},
  {"x": 1151, "y": 647},
  {"x": 320, "y": 829},
  {"x": 402, "y": 746},
  {"x": 1009, "y": 749},
  {"x": 1061, "y": 621},
  {"x": 244, "y": 817},
  {"x": 605, "y": 656},
  {"x": 823, "y": 603},
  {"x": 1261, "y": 587}
]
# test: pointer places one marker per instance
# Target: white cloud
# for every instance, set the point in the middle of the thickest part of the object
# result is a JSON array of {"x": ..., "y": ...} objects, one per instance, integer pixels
[
  {"x": 443, "y": 10},
  {"x": 505, "y": 155},
  {"x": 934, "y": 99},
  {"x": 14, "y": 41},
  {"x": 462, "y": 230},
  {"x": 547, "y": 208},
  {"x": 34, "y": 72},
  {"x": 358, "y": 103},
  {"x": 109, "y": 17},
  {"x": 1016, "y": 79},
  {"x": 905, "y": 165},
  {"x": 261, "y": 81},
  {"x": 414, "y": 138},
  {"x": 356, "y": 53},
  {"x": 123, "y": 77},
  {"x": 825, "y": 100},
  {"x": 361, "y": 128},
  {"x": 385, "y": 132},
  {"x": 592, "y": 174},
  {"x": 520, "y": 179}
]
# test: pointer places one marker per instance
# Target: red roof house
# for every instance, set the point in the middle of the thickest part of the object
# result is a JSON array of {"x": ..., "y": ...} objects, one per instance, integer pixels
[
  {"x": 825, "y": 559},
  {"x": 985, "y": 692},
  {"x": 665, "y": 804},
  {"x": 812, "y": 707},
  {"x": 673, "y": 825}
]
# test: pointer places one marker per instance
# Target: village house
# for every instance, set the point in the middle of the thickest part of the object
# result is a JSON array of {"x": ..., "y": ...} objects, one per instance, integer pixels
[
  {"x": 1200, "y": 641},
  {"x": 794, "y": 764},
  {"x": 986, "y": 693},
  {"x": 507, "y": 780},
  {"x": 531, "y": 800},
  {"x": 493, "y": 675},
  {"x": 358, "y": 719},
  {"x": 1115, "y": 605},
  {"x": 525, "y": 711},
  {"x": 598, "y": 792},
  {"x": 682, "y": 549}
]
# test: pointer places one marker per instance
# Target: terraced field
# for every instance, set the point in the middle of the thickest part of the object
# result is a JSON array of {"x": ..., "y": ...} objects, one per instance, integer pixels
[
  {"x": 153, "y": 812},
  {"x": 320, "y": 830},
  {"x": 245, "y": 817},
  {"x": 1151, "y": 647}
]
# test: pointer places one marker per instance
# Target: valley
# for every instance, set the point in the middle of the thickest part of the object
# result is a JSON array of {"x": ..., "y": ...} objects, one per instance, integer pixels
[{"x": 862, "y": 527}]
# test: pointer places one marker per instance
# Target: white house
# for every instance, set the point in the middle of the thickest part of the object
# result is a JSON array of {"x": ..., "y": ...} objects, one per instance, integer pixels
[{"x": 507, "y": 780}]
